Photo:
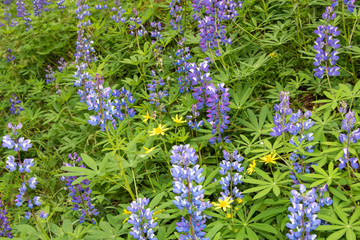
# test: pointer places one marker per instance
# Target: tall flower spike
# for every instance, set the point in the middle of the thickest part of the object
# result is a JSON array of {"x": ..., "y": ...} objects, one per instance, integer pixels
[
  {"x": 15, "y": 105},
  {"x": 212, "y": 30},
  {"x": 325, "y": 45},
  {"x": 80, "y": 193},
  {"x": 231, "y": 169},
  {"x": 190, "y": 195},
  {"x": 5, "y": 229},
  {"x": 217, "y": 102},
  {"x": 303, "y": 209},
  {"x": 282, "y": 110},
  {"x": 142, "y": 220}
]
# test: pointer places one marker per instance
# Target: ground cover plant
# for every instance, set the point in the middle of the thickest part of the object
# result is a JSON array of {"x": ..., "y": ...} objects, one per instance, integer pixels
[{"x": 179, "y": 119}]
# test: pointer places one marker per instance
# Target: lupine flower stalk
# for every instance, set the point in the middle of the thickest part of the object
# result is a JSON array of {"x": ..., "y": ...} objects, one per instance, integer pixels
[
  {"x": 135, "y": 25},
  {"x": 231, "y": 169},
  {"x": 23, "y": 166},
  {"x": 191, "y": 195},
  {"x": 282, "y": 110},
  {"x": 217, "y": 102},
  {"x": 303, "y": 212},
  {"x": 80, "y": 193},
  {"x": 5, "y": 229},
  {"x": 9, "y": 57},
  {"x": 326, "y": 45},
  {"x": 15, "y": 105},
  {"x": 120, "y": 11},
  {"x": 351, "y": 136},
  {"x": 211, "y": 21},
  {"x": 62, "y": 65},
  {"x": 142, "y": 220},
  {"x": 49, "y": 75}
]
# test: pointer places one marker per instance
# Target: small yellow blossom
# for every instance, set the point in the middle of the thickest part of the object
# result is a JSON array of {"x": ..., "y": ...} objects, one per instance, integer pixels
[
  {"x": 273, "y": 55},
  {"x": 228, "y": 215},
  {"x": 236, "y": 208},
  {"x": 178, "y": 120},
  {"x": 251, "y": 169},
  {"x": 224, "y": 204},
  {"x": 270, "y": 158},
  {"x": 158, "y": 212},
  {"x": 126, "y": 219},
  {"x": 149, "y": 151},
  {"x": 146, "y": 117},
  {"x": 159, "y": 130},
  {"x": 239, "y": 200}
]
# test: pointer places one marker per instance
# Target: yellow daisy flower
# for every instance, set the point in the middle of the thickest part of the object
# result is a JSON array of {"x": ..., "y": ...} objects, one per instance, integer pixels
[
  {"x": 273, "y": 55},
  {"x": 178, "y": 120},
  {"x": 239, "y": 200},
  {"x": 270, "y": 158},
  {"x": 224, "y": 204},
  {"x": 251, "y": 169},
  {"x": 146, "y": 117},
  {"x": 159, "y": 130},
  {"x": 228, "y": 215}
]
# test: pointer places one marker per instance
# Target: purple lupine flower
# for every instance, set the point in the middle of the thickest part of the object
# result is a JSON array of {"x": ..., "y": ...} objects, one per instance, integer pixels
[
  {"x": 231, "y": 169},
  {"x": 325, "y": 46},
  {"x": 101, "y": 5},
  {"x": 217, "y": 102},
  {"x": 9, "y": 57},
  {"x": 43, "y": 215},
  {"x": 49, "y": 75},
  {"x": 191, "y": 195},
  {"x": 303, "y": 217},
  {"x": 176, "y": 18},
  {"x": 15, "y": 105},
  {"x": 212, "y": 30},
  {"x": 5, "y": 229},
  {"x": 80, "y": 193},
  {"x": 350, "y": 5},
  {"x": 23, "y": 13},
  {"x": 135, "y": 25},
  {"x": 120, "y": 11},
  {"x": 11, "y": 165},
  {"x": 32, "y": 183},
  {"x": 60, "y": 5},
  {"x": 282, "y": 110},
  {"x": 62, "y": 65},
  {"x": 142, "y": 220}
]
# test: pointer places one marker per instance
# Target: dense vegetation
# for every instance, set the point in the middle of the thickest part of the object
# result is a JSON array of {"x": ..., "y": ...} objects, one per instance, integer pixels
[{"x": 179, "y": 119}]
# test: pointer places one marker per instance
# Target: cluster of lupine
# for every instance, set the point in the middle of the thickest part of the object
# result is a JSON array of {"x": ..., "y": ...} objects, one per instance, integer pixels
[
  {"x": 135, "y": 25},
  {"x": 350, "y": 137},
  {"x": 176, "y": 18},
  {"x": 62, "y": 65},
  {"x": 5, "y": 229},
  {"x": 84, "y": 51},
  {"x": 218, "y": 102},
  {"x": 231, "y": 169},
  {"x": 23, "y": 13},
  {"x": 13, "y": 164},
  {"x": 98, "y": 99},
  {"x": 325, "y": 46},
  {"x": 60, "y": 4},
  {"x": 295, "y": 157},
  {"x": 156, "y": 95},
  {"x": 40, "y": 6},
  {"x": 350, "y": 5},
  {"x": 102, "y": 5},
  {"x": 9, "y": 57},
  {"x": 49, "y": 77},
  {"x": 191, "y": 195},
  {"x": 303, "y": 217},
  {"x": 142, "y": 220},
  {"x": 15, "y": 105},
  {"x": 120, "y": 11},
  {"x": 282, "y": 110},
  {"x": 183, "y": 66},
  {"x": 212, "y": 30},
  {"x": 199, "y": 77},
  {"x": 80, "y": 193}
]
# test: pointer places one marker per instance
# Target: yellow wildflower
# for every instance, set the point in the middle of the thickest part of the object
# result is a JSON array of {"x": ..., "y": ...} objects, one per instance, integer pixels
[
  {"x": 239, "y": 200},
  {"x": 126, "y": 211},
  {"x": 224, "y": 204},
  {"x": 159, "y": 130},
  {"x": 270, "y": 158},
  {"x": 273, "y": 55},
  {"x": 146, "y": 117},
  {"x": 126, "y": 219},
  {"x": 228, "y": 215},
  {"x": 178, "y": 120},
  {"x": 236, "y": 208},
  {"x": 251, "y": 169},
  {"x": 149, "y": 151}
]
